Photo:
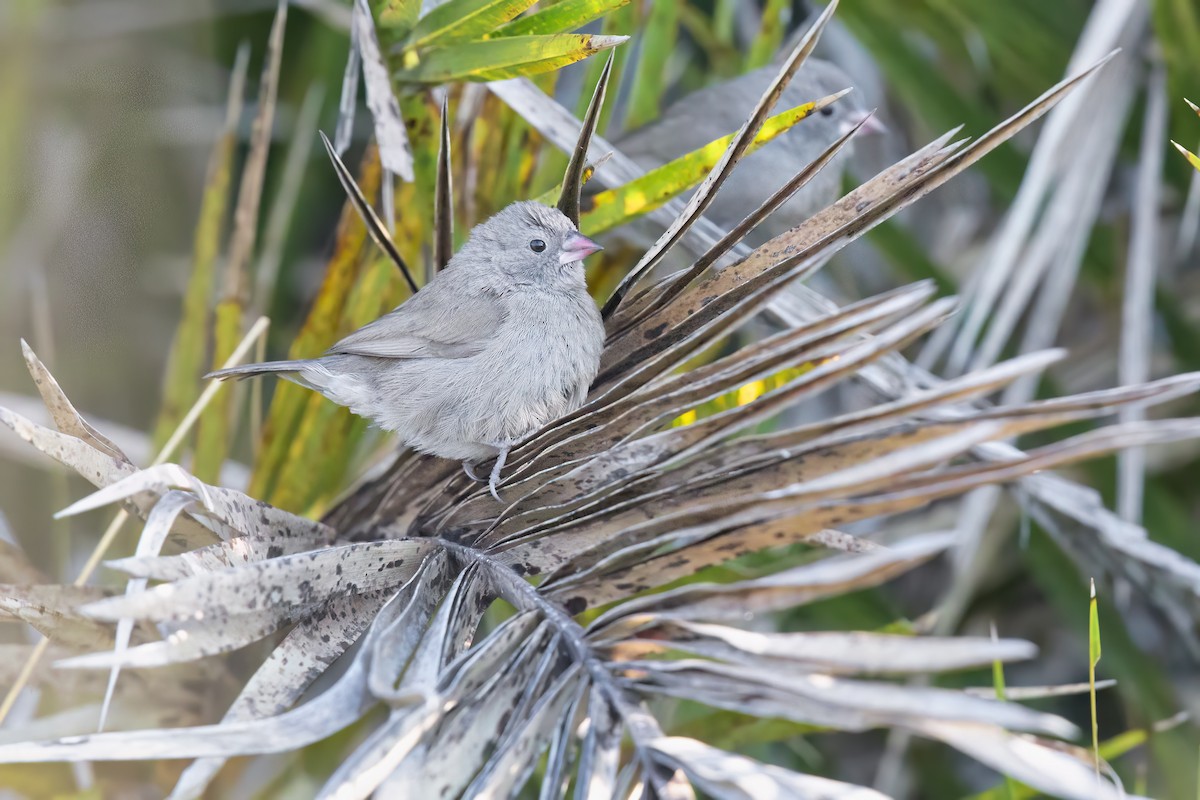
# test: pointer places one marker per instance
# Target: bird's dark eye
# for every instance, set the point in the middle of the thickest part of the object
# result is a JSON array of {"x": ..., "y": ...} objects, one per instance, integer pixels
[
  {"x": 537, "y": 245},
  {"x": 827, "y": 111}
]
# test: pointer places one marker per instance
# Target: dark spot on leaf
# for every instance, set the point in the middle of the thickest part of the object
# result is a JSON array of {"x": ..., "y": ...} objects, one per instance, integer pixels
[{"x": 576, "y": 605}]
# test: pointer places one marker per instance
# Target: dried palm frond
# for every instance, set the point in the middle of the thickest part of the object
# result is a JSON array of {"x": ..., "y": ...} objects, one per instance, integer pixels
[{"x": 380, "y": 606}]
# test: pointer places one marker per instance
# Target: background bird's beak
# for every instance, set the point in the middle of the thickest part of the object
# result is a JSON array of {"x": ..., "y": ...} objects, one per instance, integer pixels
[
  {"x": 577, "y": 247},
  {"x": 870, "y": 124}
]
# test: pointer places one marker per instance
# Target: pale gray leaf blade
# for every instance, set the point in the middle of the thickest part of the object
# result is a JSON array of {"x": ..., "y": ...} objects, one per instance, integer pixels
[
  {"x": 66, "y": 418},
  {"x": 234, "y": 508},
  {"x": 234, "y": 552},
  {"x": 406, "y": 672},
  {"x": 323, "y": 716},
  {"x": 289, "y": 671},
  {"x": 190, "y": 641},
  {"x": 400, "y": 640},
  {"x": 1024, "y": 759},
  {"x": 154, "y": 535},
  {"x": 297, "y": 580},
  {"x": 877, "y": 703},
  {"x": 369, "y": 767},
  {"x": 52, "y": 611},
  {"x": 431, "y": 697},
  {"x": 563, "y": 747},
  {"x": 1019, "y": 693},
  {"x": 728, "y": 776},
  {"x": 394, "y": 150},
  {"x": 509, "y": 767},
  {"x": 95, "y": 466},
  {"x": 349, "y": 97},
  {"x": 474, "y": 725},
  {"x": 857, "y": 652},
  {"x": 600, "y": 754}
]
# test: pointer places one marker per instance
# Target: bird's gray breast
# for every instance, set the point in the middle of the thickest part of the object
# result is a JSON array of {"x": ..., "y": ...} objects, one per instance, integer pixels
[{"x": 538, "y": 366}]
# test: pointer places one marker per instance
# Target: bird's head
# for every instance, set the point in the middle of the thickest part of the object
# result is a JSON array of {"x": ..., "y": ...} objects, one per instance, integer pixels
[{"x": 529, "y": 243}]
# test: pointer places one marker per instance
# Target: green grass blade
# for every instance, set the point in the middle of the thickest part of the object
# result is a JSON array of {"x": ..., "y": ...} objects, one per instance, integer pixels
[
  {"x": 1010, "y": 786},
  {"x": 186, "y": 363},
  {"x": 1093, "y": 659},
  {"x": 649, "y": 80},
  {"x": 770, "y": 34}
]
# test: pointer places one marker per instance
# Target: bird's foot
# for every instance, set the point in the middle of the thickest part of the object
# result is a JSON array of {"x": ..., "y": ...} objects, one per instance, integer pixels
[
  {"x": 469, "y": 468},
  {"x": 494, "y": 478}
]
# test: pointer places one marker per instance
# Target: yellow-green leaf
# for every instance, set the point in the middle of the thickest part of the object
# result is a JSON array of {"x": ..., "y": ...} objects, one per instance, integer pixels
[
  {"x": 319, "y": 331},
  {"x": 213, "y": 430},
  {"x": 1191, "y": 157},
  {"x": 319, "y": 454},
  {"x": 563, "y": 17},
  {"x": 497, "y": 59},
  {"x": 617, "y": 206},
  {"x": 397, "y": 17},
  {"x": 463, "y": 20}
]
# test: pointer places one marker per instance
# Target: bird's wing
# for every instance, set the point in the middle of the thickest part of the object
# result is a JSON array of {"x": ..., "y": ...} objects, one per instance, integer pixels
[{"x": 429, "y": 325}]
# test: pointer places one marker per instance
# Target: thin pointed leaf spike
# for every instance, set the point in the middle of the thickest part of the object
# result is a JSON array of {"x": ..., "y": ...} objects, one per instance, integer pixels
[
  {"x": 443, "y": 199},
  {"x": 374, "y": 225},
  {"x": 568, "y": 202}
]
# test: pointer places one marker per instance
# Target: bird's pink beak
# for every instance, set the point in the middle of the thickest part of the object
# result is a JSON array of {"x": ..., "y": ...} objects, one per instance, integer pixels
[
  {"x": 870, "y": 124},
  {"x": 577, "y": 247}
]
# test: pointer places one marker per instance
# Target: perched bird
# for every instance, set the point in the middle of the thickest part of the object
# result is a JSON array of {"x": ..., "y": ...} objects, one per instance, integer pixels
[
  {"x": 714, "y": 111},
  {"x": 503, "y": 340}
]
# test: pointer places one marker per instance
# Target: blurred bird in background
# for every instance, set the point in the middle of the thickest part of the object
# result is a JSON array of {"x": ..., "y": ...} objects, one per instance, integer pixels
[{"x": 714, "y": 111}]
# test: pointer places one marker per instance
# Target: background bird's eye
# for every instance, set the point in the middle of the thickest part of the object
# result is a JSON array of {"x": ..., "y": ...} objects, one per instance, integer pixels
[
  {"x": 827, "y": 111},
  {"x": 537, "y": 245}
]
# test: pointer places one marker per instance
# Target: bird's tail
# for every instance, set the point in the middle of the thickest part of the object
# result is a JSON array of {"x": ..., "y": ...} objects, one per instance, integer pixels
[{"x": 251, "y": 370}]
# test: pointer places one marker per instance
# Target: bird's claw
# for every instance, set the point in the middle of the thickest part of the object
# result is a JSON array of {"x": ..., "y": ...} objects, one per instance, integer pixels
[
  {"x": 494, "y": 478},
  {"x": 469, "y": 468}
]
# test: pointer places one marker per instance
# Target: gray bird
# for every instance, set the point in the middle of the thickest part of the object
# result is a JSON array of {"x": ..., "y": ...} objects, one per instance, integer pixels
[
  {"x": 714, "y": 111},
  {"x": 503, "y": 340}
]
